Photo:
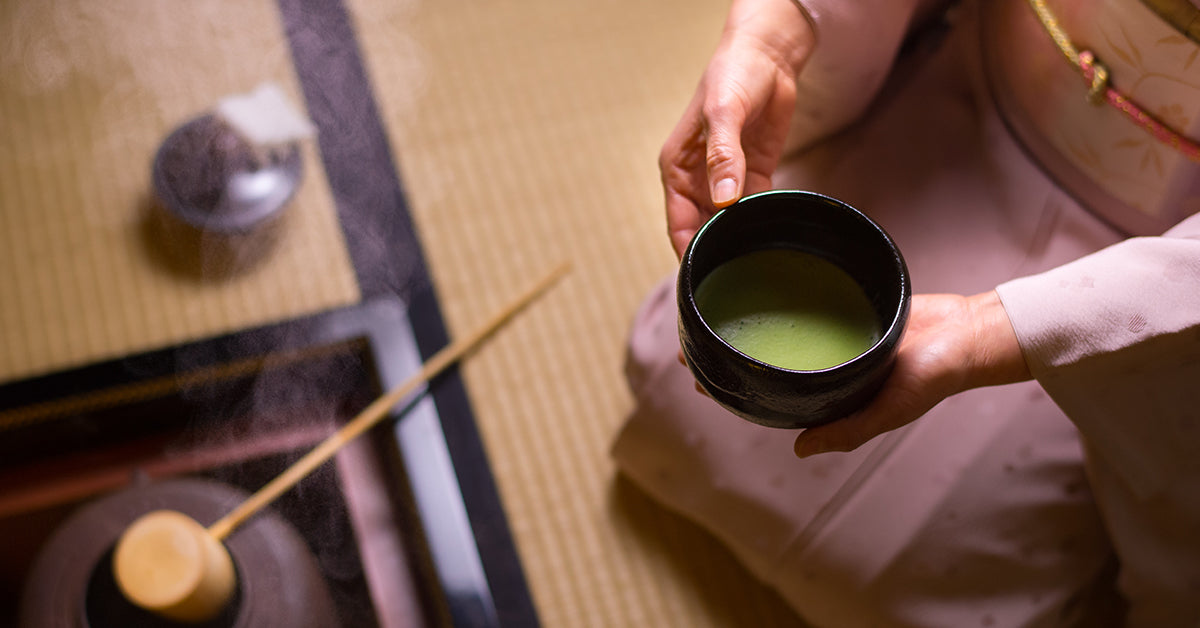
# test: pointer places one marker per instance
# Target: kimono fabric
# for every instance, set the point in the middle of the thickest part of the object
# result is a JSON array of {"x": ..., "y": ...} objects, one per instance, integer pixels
[{"x": 1061, "y": 501}]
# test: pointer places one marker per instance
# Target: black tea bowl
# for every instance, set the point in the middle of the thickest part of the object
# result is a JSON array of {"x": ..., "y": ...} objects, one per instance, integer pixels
[{"x": 815, "y": 224}]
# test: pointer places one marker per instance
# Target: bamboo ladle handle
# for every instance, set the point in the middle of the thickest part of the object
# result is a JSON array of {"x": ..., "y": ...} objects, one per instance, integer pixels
[
  {"x": 378, "y": 409},
  {"x": 206, "y": 571}
]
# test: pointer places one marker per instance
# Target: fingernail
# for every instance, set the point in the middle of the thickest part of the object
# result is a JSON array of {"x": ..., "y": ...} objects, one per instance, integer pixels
[{"x": 724, "y": 192}]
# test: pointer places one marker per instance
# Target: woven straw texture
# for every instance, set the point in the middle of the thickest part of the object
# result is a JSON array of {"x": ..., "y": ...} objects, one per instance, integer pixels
[
  {"x": 525, "y": 133},
  {"x": 87, "y": 92}
]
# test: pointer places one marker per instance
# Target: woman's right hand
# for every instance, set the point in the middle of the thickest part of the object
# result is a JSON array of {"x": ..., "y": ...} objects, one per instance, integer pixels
[{"x": 731, "y": 136}]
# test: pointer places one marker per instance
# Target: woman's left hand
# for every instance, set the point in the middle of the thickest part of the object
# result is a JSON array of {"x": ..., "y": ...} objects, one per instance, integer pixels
[{"x": 951, "y": 344}]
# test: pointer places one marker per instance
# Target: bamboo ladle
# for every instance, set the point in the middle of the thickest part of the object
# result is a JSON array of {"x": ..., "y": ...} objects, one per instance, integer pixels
[{"x": 169, "y": 564}]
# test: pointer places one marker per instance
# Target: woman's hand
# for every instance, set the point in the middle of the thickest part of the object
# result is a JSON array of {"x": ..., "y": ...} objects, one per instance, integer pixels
[
  {"x": 731, "y": 136},
  {"x": 952, "y": 343}
]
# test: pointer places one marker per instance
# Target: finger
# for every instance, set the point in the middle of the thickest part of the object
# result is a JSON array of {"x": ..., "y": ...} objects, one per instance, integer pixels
[
  {"x": 726, "y": 160},
  {"x": 844, "y": 434},
  {"x": 764, "y": 138},
  {"x": 684, "y": 179},
  {"x": 888, "y": 411},
  {"x": 899, "y": 403},
  {"x": 699, "y": 388},
  {"x": 883, "y": 414},
  {"x": 756, "y": 183},
  {"x": 812, "y": 441},
  {"x": 684, "y": 218}
]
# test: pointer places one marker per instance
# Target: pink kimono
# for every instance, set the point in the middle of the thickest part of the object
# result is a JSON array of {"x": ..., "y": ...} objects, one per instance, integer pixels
[{"x": 1070, "y": 500}]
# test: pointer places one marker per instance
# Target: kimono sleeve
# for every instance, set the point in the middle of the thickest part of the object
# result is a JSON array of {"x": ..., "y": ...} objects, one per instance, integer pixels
[
  {"x": 1114, "y": 339},
  {"x": 857, "y": 43}
]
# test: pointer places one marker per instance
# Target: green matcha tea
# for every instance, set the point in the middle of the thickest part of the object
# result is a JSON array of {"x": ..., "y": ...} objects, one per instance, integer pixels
[{"x": 788, "y": 308}]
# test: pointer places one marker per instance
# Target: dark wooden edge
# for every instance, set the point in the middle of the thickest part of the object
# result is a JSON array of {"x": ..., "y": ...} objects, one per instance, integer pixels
[{"x": 390, "y": 267}]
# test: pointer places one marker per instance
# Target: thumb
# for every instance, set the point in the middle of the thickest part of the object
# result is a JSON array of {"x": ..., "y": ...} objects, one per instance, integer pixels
[{"x": 726, "y": 162}]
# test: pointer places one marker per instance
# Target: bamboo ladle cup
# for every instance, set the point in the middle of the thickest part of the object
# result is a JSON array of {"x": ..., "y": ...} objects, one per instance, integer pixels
[{"x": 169, "y": 564}]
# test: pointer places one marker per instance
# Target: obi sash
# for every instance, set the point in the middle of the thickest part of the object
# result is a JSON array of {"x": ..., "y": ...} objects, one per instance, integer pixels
[{"x": 1125, "y": 156}]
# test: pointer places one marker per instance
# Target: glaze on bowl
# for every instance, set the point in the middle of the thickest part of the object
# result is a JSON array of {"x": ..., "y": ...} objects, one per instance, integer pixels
[{"x": 811, "y": 223}]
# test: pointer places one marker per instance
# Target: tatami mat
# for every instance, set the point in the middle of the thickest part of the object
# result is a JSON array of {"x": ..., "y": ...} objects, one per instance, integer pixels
[
  {"x": 527, "y": 133},
  {"x": 87, "y": 91}
]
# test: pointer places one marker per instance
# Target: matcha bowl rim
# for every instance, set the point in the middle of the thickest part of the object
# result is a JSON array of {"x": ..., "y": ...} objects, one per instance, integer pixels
[{"x": 813, "y": 223}]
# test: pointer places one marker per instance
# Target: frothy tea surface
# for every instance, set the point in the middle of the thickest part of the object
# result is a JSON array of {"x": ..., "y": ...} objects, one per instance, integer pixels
[{"x": 788, "y": 308}]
